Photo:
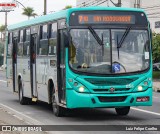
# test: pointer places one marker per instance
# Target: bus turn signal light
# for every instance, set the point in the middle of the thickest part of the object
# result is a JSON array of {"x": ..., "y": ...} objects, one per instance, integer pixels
[{"x": 142, "y": 99}]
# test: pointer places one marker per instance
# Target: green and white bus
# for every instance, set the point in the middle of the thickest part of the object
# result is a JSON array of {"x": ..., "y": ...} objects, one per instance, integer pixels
[{"x": 93, "y": 57}]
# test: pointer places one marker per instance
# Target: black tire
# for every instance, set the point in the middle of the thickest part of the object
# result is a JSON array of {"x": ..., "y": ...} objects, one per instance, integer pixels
[
  {"x": 122, "y": 111},
  {"x": 57, "y": 110},
  {"x": 22, "y": 99}
]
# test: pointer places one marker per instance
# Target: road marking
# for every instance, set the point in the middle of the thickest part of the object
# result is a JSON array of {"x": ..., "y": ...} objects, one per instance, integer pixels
[
  {"x": 21, "y": 115},
  {"x": 145, "y": 111},
  {"x": 18, "y": 117},
  {"x": 3, "y": 81}
]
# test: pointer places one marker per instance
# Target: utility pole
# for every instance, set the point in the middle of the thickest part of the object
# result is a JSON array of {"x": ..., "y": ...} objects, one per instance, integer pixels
[
  {"x": 45, "y": 7},
  {"x": 5, "y": 33},
  {"x": 137, "y": 4},
  {"x": 6, "y": 13}
]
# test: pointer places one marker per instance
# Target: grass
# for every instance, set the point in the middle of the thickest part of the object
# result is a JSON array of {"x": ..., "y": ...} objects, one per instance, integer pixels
[{"x": 156, "y": 74}]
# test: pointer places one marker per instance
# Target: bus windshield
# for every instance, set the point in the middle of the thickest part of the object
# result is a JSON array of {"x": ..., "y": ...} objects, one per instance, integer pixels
[{"x": 119, "y": 52}]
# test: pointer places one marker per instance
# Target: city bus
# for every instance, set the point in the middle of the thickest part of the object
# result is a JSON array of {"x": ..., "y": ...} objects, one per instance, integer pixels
[{"x": 91, "y": 57}]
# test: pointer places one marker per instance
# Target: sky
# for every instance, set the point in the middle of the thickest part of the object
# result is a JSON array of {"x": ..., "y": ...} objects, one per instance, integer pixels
[{"x": 38, "y": 5}]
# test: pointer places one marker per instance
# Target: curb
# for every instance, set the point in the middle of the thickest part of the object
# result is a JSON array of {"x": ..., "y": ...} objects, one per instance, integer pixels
[{"x": 25, "y": 118}]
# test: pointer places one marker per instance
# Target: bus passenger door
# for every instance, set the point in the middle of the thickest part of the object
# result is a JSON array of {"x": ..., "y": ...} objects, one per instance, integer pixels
[
  {"x": 33, "y": 46},
  {"x": 61, "y": 76},
  {"x": 14, "y": 64}
]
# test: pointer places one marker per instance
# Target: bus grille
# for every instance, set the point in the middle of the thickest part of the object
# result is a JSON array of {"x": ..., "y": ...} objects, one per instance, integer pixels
[
  {"x": 110, "y": 81},
  {"x": 112, "y": 99},
  {"x": 107, "y": 90}
]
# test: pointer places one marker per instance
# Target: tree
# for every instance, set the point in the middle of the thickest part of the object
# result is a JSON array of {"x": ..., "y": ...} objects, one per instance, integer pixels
[
  {"x": 2, "y": 29},
  {"x": 1, "y": 48},
  {"x": 29, "y": 11},
  {"x": 156, "y": 47},
  {"x": 67, "y": 7}
]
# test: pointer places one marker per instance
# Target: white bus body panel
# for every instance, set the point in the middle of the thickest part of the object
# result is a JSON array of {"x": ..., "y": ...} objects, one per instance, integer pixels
[{"x": 45, "y": 71}]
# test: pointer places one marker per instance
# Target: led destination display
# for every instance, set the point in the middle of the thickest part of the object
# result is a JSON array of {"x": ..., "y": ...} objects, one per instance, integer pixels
[
  {"x": 123, "y": 18},
  {"x": 92, "y": 19}
]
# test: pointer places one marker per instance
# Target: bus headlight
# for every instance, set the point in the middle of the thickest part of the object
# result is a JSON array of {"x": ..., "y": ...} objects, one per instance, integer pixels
[
  {"x": 81, "y": 89},
  {"x": 140, "y": 88},
  {"x": 78, "y": 87},
  {"x": 143, "y": 86}
]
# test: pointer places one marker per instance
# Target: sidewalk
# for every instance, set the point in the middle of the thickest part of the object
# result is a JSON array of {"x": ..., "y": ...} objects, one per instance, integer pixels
[{"x": 6, "y": 118}]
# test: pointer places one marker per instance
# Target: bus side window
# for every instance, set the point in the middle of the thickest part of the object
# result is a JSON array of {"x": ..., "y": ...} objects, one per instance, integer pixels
[
  {"x": 43, "y": 46},
  {"x": 9, "y": 50},
  {"x": 26, "y": 42},
  {"x": 20, "y": 44},
  {"x": 52, "y": 38}
]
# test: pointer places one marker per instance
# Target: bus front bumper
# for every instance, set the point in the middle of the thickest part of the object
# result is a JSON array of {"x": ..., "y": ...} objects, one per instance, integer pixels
[{"x": 87, "y": 100}]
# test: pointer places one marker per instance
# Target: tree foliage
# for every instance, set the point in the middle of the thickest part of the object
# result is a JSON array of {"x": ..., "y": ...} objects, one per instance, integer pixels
[
  {"x": 2, "y": 28},
  {"x": 67, "y": 7},
  {"x": 1, "y": 48},
  {"x": 29, "y": 11},
  {"x": 156, "y": 47}
]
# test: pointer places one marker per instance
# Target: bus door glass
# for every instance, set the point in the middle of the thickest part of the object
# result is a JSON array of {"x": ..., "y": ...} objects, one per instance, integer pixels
[
  {"x": 33, "y": 64},
  {"x": 61, "y": 63},
  {"x": 14, "y": 63}
]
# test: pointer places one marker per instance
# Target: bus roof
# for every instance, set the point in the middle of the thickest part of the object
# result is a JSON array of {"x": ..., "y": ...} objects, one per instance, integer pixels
[{"x": 63, "y": 14}]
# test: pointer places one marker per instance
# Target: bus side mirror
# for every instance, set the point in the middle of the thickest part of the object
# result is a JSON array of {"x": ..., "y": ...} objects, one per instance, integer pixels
[
  {"x": 66, "y": 39},
  {"x": 151, "y": 38}
]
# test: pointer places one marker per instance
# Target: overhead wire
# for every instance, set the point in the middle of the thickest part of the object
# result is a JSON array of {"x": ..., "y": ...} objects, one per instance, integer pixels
[
  {"x": 113, "y": 3},
  {"x": 102, "y": 2},
  {"x": 86, "y": 3},
  {"x": 97, "y": 2}
]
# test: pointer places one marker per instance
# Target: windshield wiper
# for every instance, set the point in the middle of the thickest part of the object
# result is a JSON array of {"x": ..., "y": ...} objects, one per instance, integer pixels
[
  {"x": 95, "y": 35},
  {"x": 119, "y": 44}
]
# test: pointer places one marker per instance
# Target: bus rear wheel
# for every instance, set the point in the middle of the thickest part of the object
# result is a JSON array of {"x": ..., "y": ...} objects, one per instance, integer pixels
[
  {"x": 22, "y": 99},
  {"x": 57, "y": 110},
  {"x": 122, "y": 111}
]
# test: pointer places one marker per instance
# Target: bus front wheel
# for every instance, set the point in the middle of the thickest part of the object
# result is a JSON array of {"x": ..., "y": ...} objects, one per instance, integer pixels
[
  {"x": 122, "y": 111},
  {"x": 57, "y": 110}
]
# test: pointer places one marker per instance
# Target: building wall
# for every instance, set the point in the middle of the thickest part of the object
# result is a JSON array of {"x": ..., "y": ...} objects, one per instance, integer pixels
[{"x": 152, "y": 8}]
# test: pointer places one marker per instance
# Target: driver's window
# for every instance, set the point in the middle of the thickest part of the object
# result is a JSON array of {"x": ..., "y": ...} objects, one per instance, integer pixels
[{"x": 86, "y": 48}]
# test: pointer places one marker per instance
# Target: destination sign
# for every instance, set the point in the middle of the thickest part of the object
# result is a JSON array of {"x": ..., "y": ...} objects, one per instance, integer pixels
[
  {"x": 99, "y": 17},
  {"x": 102, "y": 19}
]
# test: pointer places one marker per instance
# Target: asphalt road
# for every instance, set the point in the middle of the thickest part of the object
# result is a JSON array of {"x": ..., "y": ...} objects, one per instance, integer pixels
[{"x": 42, "y": 112}]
